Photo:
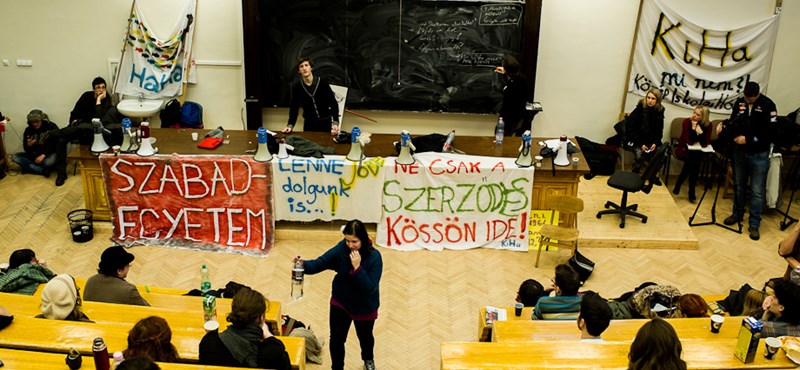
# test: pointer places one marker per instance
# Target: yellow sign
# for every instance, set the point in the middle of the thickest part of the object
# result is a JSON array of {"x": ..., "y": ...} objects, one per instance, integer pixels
[{"x": 539, "y": 218}]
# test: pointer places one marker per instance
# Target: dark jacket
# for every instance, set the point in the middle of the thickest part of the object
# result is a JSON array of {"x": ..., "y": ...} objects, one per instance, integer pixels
[
  {"x": 321, "y": 107},
  {"x": 358, "y": 291},
  {"x": 271, "y": 353},
  {"x": 513, "y": 108},
  {"x": 690, "y": 137},
  {"x": 43, "y": 143},
  {"x": 757, "y": 125},
  {"x": 644, "y": 126},
  {"x": 87, "y": 108}
]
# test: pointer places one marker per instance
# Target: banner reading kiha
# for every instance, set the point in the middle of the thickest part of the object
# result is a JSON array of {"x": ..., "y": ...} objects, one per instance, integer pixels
[{"x": 693, "y": 64}]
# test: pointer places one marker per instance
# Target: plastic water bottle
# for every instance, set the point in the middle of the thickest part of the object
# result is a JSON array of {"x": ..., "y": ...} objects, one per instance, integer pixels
[
  {"x": 118, "y": 358},
  {"x": 100, "y": 353},
  {"x": 298, "y": 273},
  {"x": 448, "y": 144},
  {"x": 499, "y": 131},
  {"x": 794, "y": 276},
  {"x": 205, "y": 281}
]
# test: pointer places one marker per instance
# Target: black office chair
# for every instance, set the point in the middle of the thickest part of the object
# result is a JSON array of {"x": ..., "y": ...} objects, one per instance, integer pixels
[{"x": 631, "y": 182}]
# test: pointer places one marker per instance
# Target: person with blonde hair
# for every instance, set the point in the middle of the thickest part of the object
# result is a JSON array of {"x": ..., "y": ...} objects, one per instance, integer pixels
[
  {"x": 644, "y": 128},
  {"x": 656, "y": 347},
  {"x": 696, "y": 129},
  {"x": 151, "y": 337},
  {"x": 61, "y": 300}
]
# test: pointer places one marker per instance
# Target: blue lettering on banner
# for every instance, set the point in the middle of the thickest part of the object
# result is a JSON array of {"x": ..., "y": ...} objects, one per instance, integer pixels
[
  {"x": 312, "y": 189},
  {"x": 305, "y": 165},
  {"x": 510, "y": 243},
  {"x": 148, "y": 81}
]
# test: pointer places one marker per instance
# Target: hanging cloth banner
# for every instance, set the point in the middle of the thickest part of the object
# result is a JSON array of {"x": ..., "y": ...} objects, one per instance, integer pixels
[
  {"x": 155, "y": 67},
  {"x": 456, "y": 202},
  {"x": 694, "y": 65}
]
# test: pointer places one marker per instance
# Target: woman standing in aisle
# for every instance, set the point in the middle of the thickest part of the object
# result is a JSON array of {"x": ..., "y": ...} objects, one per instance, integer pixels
[{"x": 356, "y": 290}]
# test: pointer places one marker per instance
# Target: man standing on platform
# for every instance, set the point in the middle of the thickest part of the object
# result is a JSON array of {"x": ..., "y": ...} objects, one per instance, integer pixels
[
  {"x": 750, "y": 127},
  {"x": 320, "y": 109}
]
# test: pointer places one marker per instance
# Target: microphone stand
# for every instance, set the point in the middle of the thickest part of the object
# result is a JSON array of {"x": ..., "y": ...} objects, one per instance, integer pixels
[{"x": 714, "y": 165}]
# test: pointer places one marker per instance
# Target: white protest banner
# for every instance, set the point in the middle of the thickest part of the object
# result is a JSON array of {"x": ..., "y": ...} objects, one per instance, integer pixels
[
  {"x": 695, "y": 65},
  {"x": 155, "y": 67},
  {"x": 330, "y": 188},
  {"x": 455, "y": 202}
]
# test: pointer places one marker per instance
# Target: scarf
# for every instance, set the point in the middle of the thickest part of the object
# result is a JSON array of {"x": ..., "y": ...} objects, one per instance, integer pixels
[{"x": 243, "y": 343}]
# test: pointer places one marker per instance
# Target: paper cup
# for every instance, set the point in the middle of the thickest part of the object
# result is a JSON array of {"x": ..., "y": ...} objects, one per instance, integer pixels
[
  {"x": 195, "y": 136},
  {"x": 518, "y": 309},
  {"x": 773, "y": 345},
  {"x": 716, "y": 323},
  {"x": 211, "y": 325}
]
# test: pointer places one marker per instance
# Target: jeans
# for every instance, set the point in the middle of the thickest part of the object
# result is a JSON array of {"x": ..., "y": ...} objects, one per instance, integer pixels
[
  {"x": 753, "y": 166},
  {"x": 340, "y": 325},
  {"x": 29, "y": 166}
]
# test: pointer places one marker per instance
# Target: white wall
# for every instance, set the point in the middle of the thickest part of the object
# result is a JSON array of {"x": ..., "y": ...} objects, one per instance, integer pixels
[
  {"x": 70, "y": 43},
  {"x": 583, "y": 57}
]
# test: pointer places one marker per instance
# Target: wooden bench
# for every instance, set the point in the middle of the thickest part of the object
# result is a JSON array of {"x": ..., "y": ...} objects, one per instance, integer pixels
[
  {"x": 552, "y": 354},
  {"x": 59, "y": 336},
  {"x": 618, "y": 330},
  {"x": 81, "y": 282},
  {"x": 484, "y": 329},
  {"x": 21, "y": 359},
  {"x": 186, "y": 304}
]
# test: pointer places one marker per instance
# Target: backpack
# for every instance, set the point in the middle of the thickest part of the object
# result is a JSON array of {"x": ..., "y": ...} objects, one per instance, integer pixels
[
  {"x": 192, "y": 115},
  {"x": 171, "y": 114},
  {"x": 582, "y": 265}
]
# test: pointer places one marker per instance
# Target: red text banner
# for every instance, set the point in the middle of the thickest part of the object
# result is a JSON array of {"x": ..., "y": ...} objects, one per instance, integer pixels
[
  {"x": 221, "y": 203},
  {"x": 455, "y": 202}
]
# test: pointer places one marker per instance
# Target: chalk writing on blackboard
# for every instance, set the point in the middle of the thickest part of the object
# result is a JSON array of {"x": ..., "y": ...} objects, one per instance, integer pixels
[
  {"x": 500, "y": 14},
  {"x": 396, "y": 55}
]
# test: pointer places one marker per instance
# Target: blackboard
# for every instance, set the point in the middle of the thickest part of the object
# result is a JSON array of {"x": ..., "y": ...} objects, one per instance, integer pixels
[{"x": 392, "y": 54}]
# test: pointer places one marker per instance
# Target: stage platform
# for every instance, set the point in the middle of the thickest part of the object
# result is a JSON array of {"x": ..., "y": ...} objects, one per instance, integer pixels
[{"x": 666, "y": 227}]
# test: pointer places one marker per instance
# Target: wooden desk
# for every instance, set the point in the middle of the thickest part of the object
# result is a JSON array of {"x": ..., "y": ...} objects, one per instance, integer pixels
[
  {"x": 60, "y": 336},
  {"x": 572, "y": 354},
  {"x": 180, "y": 311},
  {"x": 564, "y": 181},
  {"x": 618, "y": 330},
  {"x": 31, "y": 360},
  {"x": 485, "y": 331}
]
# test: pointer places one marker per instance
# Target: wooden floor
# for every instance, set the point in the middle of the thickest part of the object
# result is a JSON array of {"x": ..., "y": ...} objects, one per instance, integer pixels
[
  {"x": 666, "y": 227},
  {"x": 426, "y": 297}
]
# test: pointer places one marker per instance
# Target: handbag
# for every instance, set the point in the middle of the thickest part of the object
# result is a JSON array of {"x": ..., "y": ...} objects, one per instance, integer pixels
[{"x": 582, "y": 265}]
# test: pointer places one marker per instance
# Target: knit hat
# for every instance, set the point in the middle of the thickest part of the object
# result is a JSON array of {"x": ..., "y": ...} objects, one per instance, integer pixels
[
  {"x": 35, "y": 115},
  {"x": 59, "y": 297},
  {"x": 114, "y": 258}
]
